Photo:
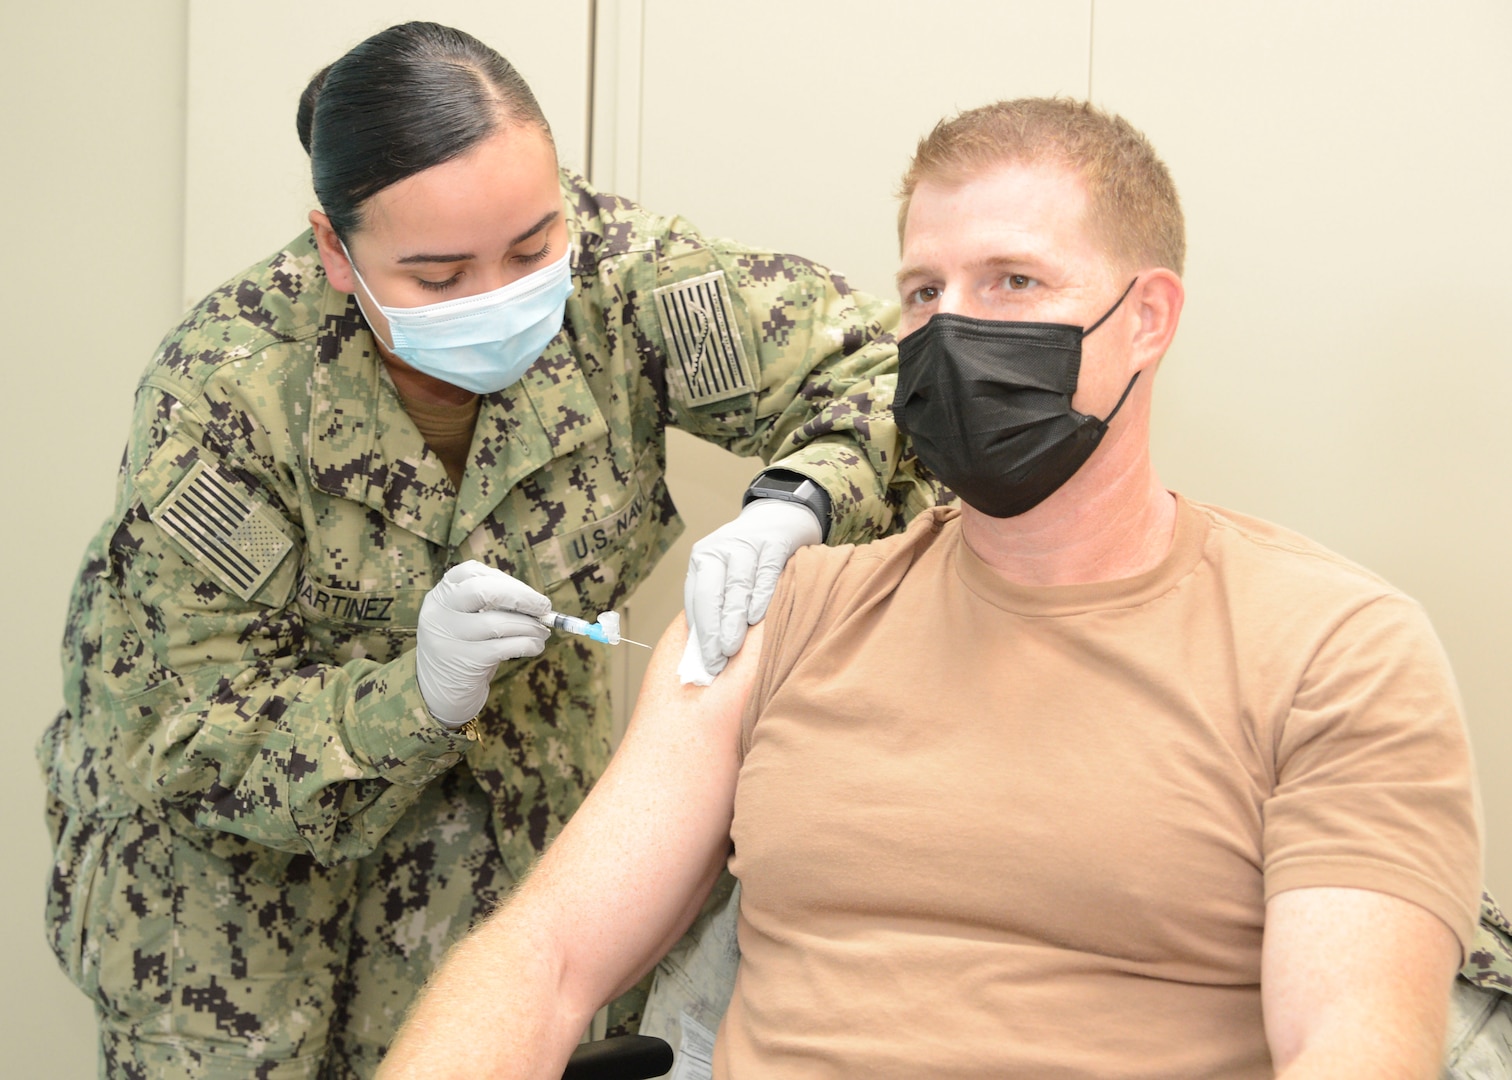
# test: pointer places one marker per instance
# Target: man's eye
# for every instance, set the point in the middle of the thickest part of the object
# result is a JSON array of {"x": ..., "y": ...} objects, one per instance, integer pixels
[
  {"x": 928, "y": 294},
  {"x": 1019, "y": 281}
]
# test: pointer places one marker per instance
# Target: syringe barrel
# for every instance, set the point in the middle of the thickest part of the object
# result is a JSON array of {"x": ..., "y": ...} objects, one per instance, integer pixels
[
  {"x": 567, "y": 623},
  {"x": 606, "y": 630}
]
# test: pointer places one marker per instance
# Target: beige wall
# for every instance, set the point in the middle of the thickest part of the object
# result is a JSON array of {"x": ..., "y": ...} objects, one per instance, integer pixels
[
  {"x": 1341, "y": 369},
  {"x": 93, "y": 100}
]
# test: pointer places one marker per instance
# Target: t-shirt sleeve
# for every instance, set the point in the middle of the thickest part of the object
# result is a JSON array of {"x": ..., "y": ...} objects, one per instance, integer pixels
[
  {"x": 821, "y": 588},
  {"x": 1375, "y": 786},
  {"x": 791, "y": 620}
]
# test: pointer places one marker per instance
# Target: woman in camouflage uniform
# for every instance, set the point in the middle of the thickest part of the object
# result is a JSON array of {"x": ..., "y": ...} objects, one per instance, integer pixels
[{"x": 268, "y": 826}]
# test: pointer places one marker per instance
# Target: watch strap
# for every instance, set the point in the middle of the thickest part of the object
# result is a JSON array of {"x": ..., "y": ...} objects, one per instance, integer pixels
[{"x": 789, "y": 486}]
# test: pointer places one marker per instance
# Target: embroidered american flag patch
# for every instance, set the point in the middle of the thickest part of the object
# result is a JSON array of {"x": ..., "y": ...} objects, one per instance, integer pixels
[
  {"x": 229, "y": 534},
  {"x": 707, "y": 359}
]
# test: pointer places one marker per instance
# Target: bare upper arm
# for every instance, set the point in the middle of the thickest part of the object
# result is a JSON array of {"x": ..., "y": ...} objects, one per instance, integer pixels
[
  {"x": 1355, "y": 983},
  {"x": 612, "y": 893},
  {"x": 631, "y": 869}
]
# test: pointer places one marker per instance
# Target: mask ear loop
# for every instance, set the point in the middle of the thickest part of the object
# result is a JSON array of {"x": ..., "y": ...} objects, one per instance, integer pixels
[
  {"x": 1106, "y": 314},
  {"x": 358, "y": 275},
  {"x": 1135, "y": 377},
  {"x": 1122, "y": 398}
]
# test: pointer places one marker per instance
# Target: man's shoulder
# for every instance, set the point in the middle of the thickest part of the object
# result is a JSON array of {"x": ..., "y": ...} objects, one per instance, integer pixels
[
  {"x": 862, "y": 562},
  {"x": 822, "y": 587},
  {"x": 1266, "y": 567},
  {"x": 824, "y": 590},
  {"x": 1241, "y": 544}
]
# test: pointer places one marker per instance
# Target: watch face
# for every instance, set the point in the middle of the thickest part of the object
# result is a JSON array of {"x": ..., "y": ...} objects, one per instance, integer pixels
[{"x": 794, "y": 488}]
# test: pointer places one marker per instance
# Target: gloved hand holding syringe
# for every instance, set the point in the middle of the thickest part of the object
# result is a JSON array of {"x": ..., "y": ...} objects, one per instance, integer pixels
[
  {"x": 605, "y": 630},
  {"x": 474, "y": 619}
]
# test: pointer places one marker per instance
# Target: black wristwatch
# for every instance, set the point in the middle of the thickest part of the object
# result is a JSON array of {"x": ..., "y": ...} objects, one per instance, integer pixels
[{"x": 793, "y": 487}]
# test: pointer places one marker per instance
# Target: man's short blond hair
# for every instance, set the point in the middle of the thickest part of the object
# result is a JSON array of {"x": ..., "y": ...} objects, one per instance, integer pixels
[{"x": 1131, "y": 200}]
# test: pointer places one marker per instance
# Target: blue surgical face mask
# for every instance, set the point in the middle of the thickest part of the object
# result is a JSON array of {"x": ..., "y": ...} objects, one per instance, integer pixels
[{"x": 486, "y": 342}]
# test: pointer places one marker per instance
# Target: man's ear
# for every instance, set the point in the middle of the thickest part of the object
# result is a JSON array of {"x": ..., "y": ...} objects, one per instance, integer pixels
[
  {"x": 1157, "y": 302},
  {"x": 338, "y": 267}
]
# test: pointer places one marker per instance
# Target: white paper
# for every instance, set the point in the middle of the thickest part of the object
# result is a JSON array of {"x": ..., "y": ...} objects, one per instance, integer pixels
[{"x": 695, "y": 1055}]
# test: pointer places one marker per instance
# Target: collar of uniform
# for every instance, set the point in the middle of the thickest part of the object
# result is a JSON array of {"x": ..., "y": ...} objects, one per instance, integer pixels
[
  {"x": 545, "y": 416},
  {"x": 548, "y": 413},
  {"x": 363, "y": 445}
]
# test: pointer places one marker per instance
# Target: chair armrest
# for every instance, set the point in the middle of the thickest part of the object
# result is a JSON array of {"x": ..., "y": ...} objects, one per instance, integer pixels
[{"x": 625, "y": 1057}]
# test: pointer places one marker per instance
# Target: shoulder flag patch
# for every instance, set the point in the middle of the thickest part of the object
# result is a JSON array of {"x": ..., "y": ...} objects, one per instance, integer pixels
[
  {"x": 229, "y": 534},
  {"x": 708, "y": 361}
]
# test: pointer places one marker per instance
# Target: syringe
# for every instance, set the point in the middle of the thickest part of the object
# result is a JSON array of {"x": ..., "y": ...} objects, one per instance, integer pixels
[{"x": 606, "y": 630}]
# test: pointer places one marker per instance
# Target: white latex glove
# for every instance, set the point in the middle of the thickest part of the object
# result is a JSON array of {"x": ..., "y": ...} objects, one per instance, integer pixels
[
  {"x": 731, "y": 577},
  {"x": 472, "y": 621}
]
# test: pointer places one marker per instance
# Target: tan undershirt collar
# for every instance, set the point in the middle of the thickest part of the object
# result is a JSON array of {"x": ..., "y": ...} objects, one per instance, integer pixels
[
  {"x": 1050, "y": 600},
  {"x": 447, "y": 429}
]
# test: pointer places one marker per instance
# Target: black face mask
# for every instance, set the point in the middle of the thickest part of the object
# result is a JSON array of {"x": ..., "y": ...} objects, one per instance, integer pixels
[{"x": 988, "y": 407}]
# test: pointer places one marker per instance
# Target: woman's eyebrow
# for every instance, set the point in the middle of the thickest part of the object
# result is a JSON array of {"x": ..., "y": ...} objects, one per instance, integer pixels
[
  {"x": 537, "y": 227},
  {"x": 464, "y": 256},
  {"x": 435, "y": 259}
]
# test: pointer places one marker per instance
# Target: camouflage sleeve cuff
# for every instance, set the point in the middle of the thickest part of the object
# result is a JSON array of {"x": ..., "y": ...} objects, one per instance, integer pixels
[
  {"x": 858, "y": 510},
  {"x": 1490, "y": 962},
  {"x": 390, "y": 729}
]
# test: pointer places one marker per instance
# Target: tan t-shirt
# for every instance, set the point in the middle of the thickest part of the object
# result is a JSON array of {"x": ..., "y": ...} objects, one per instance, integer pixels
[{"x": 991, "y": 830}]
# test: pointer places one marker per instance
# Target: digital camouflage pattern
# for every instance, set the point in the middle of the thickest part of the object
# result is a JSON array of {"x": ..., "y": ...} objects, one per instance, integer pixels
[
  {"x": 205, "y": 966},
  {"x": 263, "y": 841},
  {"x": 1490, "y": 962},
  {"x": 1479, "y": 1042}
]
